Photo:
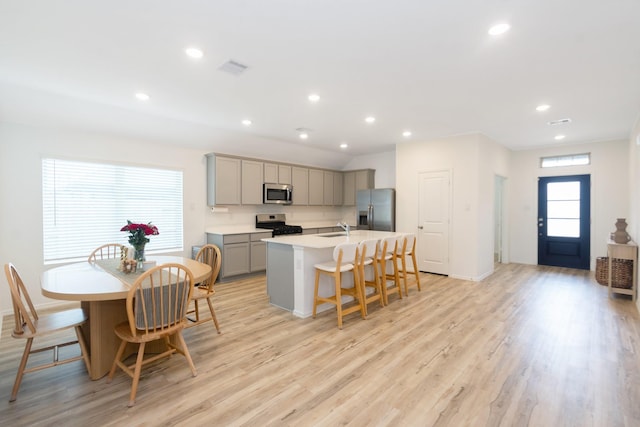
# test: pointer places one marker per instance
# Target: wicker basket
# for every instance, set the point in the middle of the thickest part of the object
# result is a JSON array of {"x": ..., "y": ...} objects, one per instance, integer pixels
[{"x": 621, "y": 272}]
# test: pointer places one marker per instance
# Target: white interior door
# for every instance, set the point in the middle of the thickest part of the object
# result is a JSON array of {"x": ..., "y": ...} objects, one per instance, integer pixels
[{"x": 433, "y": 236}]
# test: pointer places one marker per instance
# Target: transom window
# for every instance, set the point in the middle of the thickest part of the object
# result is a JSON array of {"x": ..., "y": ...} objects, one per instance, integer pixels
[
  {"x": 84, "y": 205},
  {"x": 570, "y": 160}
]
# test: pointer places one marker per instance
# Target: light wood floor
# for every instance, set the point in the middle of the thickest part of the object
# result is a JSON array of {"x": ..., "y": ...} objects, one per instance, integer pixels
[{"x": 529, "y": 345}]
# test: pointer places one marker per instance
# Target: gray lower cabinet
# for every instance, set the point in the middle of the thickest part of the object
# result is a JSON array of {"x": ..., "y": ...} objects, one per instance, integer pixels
[
  {"x": 241, "y": 253},
  {"x": 258, "y": 252}
]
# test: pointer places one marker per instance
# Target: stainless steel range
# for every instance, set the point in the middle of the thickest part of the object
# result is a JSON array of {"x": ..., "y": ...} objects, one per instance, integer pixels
[{"x": 276, "y": 223}]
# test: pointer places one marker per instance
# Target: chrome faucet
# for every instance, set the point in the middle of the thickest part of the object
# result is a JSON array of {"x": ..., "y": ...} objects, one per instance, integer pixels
[{"x": 346, "y": 227}]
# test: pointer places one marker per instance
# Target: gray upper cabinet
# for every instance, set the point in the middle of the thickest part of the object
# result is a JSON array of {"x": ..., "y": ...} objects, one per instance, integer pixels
[
  {"x": 284, "y": 174},
  {"x": 356, "y": 180},
  {"x": 316, "y": 187},
  {"x": 328, "y": 189},
  {"x": 300, "y": 182},
  {"x": 235, "y": 180},
  {"x": 338, "y": 188},
  {"x": 270, "y": 172},
  {"x": 365, "y": 179},
  {"x": 349, "y": 193},
  {"x": 279, "y": 174},
  {"x": 223, "y": 180},
  {"x": 252, "y": 179}
]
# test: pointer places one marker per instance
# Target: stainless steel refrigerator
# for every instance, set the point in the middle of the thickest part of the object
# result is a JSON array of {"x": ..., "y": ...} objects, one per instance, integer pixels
[{"x": 376, "y": 209}]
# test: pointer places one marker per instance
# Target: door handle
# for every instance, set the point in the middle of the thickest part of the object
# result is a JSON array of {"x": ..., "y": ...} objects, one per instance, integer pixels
[{"x": 420, "y": 227}]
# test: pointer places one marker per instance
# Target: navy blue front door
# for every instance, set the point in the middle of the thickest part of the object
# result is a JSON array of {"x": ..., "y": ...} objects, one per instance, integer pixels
[{"x": 564, "y": 220}]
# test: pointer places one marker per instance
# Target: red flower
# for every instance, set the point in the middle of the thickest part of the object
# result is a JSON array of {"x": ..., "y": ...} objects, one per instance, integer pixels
[{"x": 138, "y": 233}]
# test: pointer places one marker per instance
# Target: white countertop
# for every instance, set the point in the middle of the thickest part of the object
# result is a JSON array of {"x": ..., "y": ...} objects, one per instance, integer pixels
[
  {"x": 244, "y": 229},
  {"x": 320, "y": 241},
  {"x": 235, "y": 229}
]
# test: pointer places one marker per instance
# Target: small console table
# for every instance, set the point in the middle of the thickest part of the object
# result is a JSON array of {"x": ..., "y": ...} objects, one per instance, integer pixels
[{"x": 623, "y": 251}]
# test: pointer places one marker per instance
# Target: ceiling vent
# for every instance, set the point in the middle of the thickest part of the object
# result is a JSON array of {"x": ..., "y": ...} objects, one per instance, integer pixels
[
  {"x": 233, "y": 67},
  {"x": 559, "y": 122}
]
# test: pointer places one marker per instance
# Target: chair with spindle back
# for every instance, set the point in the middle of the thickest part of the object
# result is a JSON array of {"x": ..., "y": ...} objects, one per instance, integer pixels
[
  {"x": 29, "y": 325},
  {"x": 157, "y": 306},
  {"x": 208, "y": 254},
  {"x": 108, "y": 251}
]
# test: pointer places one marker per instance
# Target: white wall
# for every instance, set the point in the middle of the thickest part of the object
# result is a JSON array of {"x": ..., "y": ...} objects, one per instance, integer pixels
[
  {"x": 473, "y": 161},
  {"x": 609, "y": 170},
  {"x": 383, "y": 163},
  {"x": 634, "y": 186}
]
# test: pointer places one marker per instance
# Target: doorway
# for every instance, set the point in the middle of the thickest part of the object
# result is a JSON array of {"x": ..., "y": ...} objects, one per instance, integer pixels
[
  {"x": 499, "y": 221},
  {"x": 433, "y": 218},
  {"x": 564, "y": 221}
]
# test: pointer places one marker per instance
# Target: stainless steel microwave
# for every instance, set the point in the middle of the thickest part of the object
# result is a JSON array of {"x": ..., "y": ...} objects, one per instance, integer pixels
[{"x": 281, "y": 194}]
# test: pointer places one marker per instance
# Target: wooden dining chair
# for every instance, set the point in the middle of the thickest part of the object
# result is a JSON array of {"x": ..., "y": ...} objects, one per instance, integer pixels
[
  {"x": 108, "y": 251},
  {"x": 208, "y": 254},
  {"x": 157, "y": 306},
  {"x": 29, "y": 325},
  {"x": 344, "y": 257},
  {"x": 407, "y": 249}
]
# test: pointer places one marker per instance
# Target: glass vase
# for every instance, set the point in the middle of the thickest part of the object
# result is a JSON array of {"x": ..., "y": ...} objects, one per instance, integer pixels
[{"x": 138, "y": 255}]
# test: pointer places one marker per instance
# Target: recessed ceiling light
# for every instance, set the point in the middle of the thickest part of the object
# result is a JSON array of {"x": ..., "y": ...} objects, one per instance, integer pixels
[
  {"x": 344, "y": 145},
  {"x": 543, "y": 107},
  {"x": 498, "y": 29},
  {"x": 246, "y": 122},
  {"x": 194, "y": 52},
  {"x": 303, "y": 135},
  {"x": 406, "y": 133},
  {"x": 314, "y": 97},
  {"x": 559, "y": 137},
  {"x": 370, "y": 119},
  {"x": 142, "y": 96}
]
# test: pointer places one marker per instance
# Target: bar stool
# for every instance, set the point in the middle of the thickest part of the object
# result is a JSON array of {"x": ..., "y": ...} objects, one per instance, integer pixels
[
  {"x": 407, "y": 249},
  {"x": 388, "y": 256},
  {"x": 368, "y": 250},
  {"x": 344, "y": 257}
]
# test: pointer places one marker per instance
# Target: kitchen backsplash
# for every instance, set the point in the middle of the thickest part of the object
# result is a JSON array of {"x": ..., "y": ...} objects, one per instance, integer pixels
[{"x": 296, "y": 215}]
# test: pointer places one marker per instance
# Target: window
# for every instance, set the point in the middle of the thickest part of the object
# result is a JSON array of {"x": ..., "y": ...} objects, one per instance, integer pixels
[
  {"x": 84, "y": 205},
  {"x": 570, "y": 160},
  {"x": 563, "y": 209}
]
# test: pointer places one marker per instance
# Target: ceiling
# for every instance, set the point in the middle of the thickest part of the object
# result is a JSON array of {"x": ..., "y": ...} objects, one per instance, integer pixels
[{"x": 425, "y": 66}]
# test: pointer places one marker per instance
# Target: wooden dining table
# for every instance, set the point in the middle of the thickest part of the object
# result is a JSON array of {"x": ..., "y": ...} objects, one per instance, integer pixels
[{"x": 102, "y": 291}]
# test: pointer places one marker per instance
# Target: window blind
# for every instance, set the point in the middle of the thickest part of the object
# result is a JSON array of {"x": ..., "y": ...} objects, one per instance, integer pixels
[{"x": 84, "y": 205}]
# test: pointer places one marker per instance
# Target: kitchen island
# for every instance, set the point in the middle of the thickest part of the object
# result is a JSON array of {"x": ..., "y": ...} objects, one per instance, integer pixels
[{"x": 291, "y": 272}]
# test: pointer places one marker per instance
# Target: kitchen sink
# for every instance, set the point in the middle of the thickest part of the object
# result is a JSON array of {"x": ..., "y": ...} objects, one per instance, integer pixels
[{"x": 332, "y": 235}]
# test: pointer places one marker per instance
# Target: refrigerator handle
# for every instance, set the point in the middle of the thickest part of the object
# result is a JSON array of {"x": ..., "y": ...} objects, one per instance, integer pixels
[{"x": 370, "y": 217}]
